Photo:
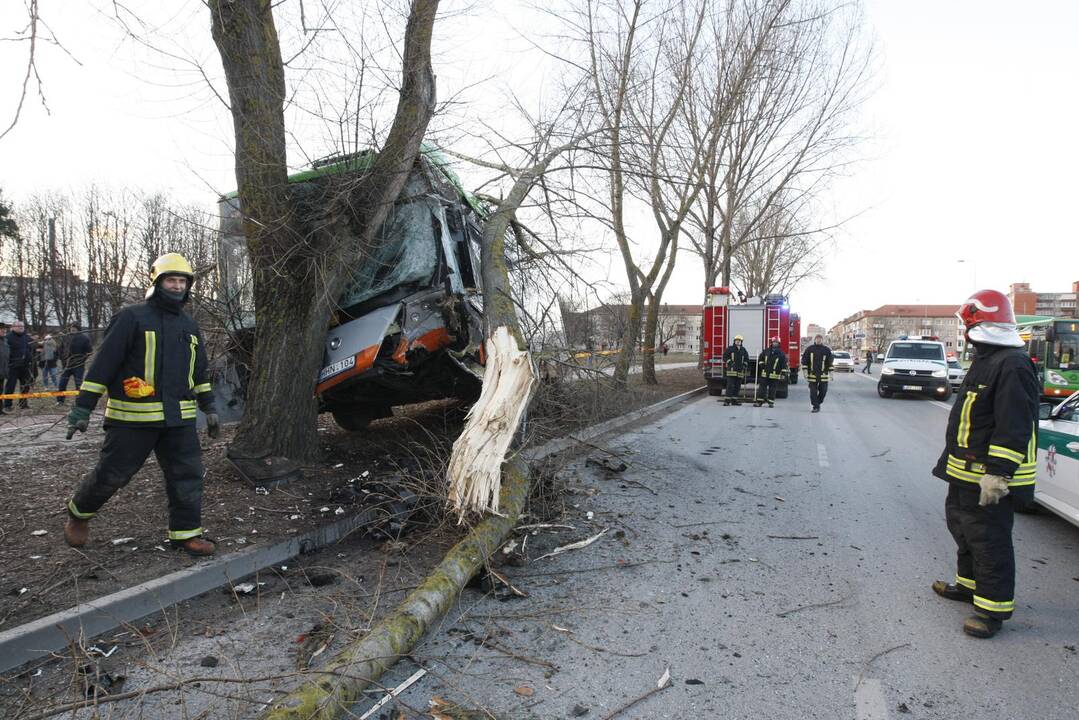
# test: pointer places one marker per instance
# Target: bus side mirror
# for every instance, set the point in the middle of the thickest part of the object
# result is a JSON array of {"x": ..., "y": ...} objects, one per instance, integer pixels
[
  {"x": 1050, "y": 336},
  {"x": 1045, "y": 411}
]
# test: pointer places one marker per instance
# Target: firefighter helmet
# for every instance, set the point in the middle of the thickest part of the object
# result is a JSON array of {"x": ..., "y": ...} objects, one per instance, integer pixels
[
  {"x": 171, "y": 264},
  {"x": 773, "y": 340},
  {"x": 988, "y": 318},
  {"x": 739, "y": 337}
]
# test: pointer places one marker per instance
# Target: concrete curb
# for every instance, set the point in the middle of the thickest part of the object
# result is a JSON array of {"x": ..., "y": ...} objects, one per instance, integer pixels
[
  {"x": 43, "y": 636},
  {"x": 558, "y": 445},
  {"x": 52, "y": 633}
]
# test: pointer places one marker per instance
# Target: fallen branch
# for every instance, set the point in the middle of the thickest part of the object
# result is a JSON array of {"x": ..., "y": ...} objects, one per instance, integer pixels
[{"x": 360, "y": 664}]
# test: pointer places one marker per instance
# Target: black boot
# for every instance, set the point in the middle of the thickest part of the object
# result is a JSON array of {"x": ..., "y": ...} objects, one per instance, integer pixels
[
  {"x": 953, "y": 592},
  {"x": 982, "y": 626}
]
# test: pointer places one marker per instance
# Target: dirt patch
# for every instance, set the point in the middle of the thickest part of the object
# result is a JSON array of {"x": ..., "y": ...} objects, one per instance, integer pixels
[{"x": 39, "y": 470}]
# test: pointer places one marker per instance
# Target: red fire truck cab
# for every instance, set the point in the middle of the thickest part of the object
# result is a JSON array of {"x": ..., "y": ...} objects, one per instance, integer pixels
[{"x": 756, "y": 320}]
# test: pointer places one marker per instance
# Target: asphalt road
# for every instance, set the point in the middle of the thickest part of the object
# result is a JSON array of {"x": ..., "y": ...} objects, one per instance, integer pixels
[{"x": 778, "y": 562}]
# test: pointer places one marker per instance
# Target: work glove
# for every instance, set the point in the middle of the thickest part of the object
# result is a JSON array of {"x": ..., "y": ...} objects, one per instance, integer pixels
[
  {"x": 994, "y": 487},
  {"x": 77, "y": 419},
  {"x": 213, "y": 427}
]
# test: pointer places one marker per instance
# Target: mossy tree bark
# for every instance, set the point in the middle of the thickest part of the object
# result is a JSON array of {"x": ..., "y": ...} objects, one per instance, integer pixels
[{"x": 300, "y": 268}]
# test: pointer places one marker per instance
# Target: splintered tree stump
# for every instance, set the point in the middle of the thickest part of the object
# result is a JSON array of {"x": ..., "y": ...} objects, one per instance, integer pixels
[{"x": 475, "y": 468}]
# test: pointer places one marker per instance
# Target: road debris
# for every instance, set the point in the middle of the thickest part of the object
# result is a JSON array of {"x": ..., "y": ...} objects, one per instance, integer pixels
[
  {"x": 662, "y": 684},
  {"x": 794, "y": 537},
  {"x": 409, "y": 682},
  {"x": 524, "y": 691},
  {"x": 122, "y": 540},
  {"x": 574, "y": 546},
  {"x": 39, "y": 533},
  {"x": 610, "y": 465},
  {"x": 209, "y": 661}
]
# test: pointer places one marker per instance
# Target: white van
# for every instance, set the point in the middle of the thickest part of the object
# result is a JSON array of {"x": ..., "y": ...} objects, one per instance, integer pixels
[
  {"x": 1057, "y": 486},
  {"x": 914, "y": 365}
]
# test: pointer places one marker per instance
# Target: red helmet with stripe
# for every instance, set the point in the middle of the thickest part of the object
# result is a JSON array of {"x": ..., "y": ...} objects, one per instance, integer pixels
[
  {"x": 986, "y": 306},
  {"x": 773, "y": 340}
]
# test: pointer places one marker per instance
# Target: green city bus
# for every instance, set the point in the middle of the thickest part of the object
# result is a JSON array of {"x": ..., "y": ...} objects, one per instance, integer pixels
[{"x": 1053, "y": 344}]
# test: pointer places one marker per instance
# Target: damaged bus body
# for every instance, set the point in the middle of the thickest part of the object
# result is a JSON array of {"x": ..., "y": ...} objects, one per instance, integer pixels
[{"x": 408, "y": 327}]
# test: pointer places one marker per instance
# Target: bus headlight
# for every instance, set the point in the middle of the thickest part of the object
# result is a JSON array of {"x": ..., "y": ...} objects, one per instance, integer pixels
[{"x": 1056, "y": 378}]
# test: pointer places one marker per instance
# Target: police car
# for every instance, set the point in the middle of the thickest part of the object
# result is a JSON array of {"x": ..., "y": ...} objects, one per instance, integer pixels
[
  {"x": 1057, "y": 487},
  {"x": 914, "y": 365}
]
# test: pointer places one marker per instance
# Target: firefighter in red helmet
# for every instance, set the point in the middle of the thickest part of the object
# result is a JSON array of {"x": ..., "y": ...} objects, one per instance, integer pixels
[
  {"x": 989, "y": 461},
  {"x": 771, "y": 367}
]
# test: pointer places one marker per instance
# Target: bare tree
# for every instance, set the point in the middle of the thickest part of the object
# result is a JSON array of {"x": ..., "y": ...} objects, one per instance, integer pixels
[
  {"x": 777, "y": 254},
  {"x": 790, "y": 129}
]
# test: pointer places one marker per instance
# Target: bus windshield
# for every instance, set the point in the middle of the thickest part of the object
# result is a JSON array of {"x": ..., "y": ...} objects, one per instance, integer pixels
[{"x": 1064, "y": 353}]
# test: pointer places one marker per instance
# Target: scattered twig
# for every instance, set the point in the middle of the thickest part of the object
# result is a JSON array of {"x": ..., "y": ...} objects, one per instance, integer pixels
[
  {"x": 811, "y": 606},
  {"x": 873, "y": 659},
  {"x": 794, "y": 537},
  {"x": 663, "y": 684},
  {"x": 394, "y": 693},
  {"x": 639, "y": 484},
  {"x": 570, "y": 635},
  {"x": 710, "y": 522},
  {"x": 574, "y": 546}
]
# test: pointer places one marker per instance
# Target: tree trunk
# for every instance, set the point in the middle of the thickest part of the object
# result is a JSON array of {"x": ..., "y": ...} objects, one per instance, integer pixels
[
  {"x": 298, "y": 273},
  {"x": 630, "y": 335},
  {"x": 648, "y": 351}
]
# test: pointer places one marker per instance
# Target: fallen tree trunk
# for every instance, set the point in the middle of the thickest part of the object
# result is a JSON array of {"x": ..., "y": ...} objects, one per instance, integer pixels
[{"x": 341, "y": 682}]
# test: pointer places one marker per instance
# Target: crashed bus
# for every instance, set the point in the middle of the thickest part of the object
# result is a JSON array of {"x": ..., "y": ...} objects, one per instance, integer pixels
[{"x": 408, "y": 326}]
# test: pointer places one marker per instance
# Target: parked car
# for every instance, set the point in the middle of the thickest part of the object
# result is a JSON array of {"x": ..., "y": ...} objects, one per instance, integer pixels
[
  {"x": 1057, "y": 486},
  {"x": 842, "y": 361},
  {"x": 914, "y": 365},
  {"x": 956, "y": 374}
]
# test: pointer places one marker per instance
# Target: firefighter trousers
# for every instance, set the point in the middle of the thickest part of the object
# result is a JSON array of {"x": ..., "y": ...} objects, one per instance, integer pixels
[
  {"x": 817, "y": 391},
  {"x": 123, "y": 454},
  {"x": 733, "y": 385},
  {"x": 985, "y": 559},
  {"x": 766, "y": 389}
]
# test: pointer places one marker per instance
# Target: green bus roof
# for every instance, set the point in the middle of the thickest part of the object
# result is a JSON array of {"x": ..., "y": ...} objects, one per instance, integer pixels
[
  {"x": 362, "y": 160},
  {"x": 1032, "y": 320}
]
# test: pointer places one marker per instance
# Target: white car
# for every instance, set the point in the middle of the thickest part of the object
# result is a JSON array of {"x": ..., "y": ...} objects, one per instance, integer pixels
[
  {"x": 956, "y": 374},
  {"x": 841, "y": 360},
  {"x": 1057, "y": 486}
]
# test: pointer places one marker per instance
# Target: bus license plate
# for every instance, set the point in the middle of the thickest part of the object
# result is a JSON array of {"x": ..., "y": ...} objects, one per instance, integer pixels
[
  {"x": 912, "y": 387},
  {"x": 339, "y": 366}
]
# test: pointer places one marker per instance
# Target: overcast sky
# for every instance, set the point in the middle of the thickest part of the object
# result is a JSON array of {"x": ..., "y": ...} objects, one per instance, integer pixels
[{"x": 973, "y": 157}]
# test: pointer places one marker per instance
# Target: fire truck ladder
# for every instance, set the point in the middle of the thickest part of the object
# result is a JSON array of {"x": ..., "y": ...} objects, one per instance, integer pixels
[
  {"x": 771, "y": 325},
  {"x": 719, "y": 335}
]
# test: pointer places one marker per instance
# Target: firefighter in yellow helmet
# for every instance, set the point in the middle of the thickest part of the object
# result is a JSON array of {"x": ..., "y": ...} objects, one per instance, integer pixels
[
  {"x": 152, "y": 364},
  {"x": 735, "y": 366}
]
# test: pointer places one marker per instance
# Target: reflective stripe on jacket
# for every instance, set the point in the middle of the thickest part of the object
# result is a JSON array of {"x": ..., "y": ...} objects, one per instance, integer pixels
[
  {"x": 736, "y": 361},
  {"x": 817, "y": 363},
  {"x": 773, "y": 364},
  {"x": 993, "y": 425},
  {"x": 160, "y": 354}
]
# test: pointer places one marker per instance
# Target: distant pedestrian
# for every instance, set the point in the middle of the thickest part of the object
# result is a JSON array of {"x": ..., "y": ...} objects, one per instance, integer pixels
[
  {"x": 868, "y": 363},
  {"x": 817, "y": 367},
  {"x": 5, "y": 354},
  {"x": 20, "y": 362},
  {"x": 49, "y": 359},
  {"x": 74, "y": 352},
  {"x": 989, "y": 461},
  {"x": 665, "y": 349}
]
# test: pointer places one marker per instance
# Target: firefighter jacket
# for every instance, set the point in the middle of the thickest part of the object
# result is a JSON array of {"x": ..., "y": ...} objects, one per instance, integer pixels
[
  {"x": 772, "y": 364},
  {"x": 736, "y": 361},
  {"x": 152, "y": 363},
  {"x": 993, "y": 426},
  {"x": 817, "y": 363}
]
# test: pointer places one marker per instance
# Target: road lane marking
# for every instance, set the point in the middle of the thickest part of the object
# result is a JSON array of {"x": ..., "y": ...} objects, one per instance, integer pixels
[
  {"x": 822, "y": 456},
  {"x": 869, "y": 700}
]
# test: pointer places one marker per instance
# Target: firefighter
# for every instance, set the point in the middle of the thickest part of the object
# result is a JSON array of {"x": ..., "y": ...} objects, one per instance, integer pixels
[
  {"x": 817, "y": 366},
  {"x": 735, "y": 367},
  {"x": 771, "y": 367},
  {"x": 989, "y": 461},
  {"x": 152, "y": 363}
]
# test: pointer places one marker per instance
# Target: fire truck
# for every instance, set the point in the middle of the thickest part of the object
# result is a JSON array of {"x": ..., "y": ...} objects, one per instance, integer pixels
[{"x": 757, "y": 320}]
